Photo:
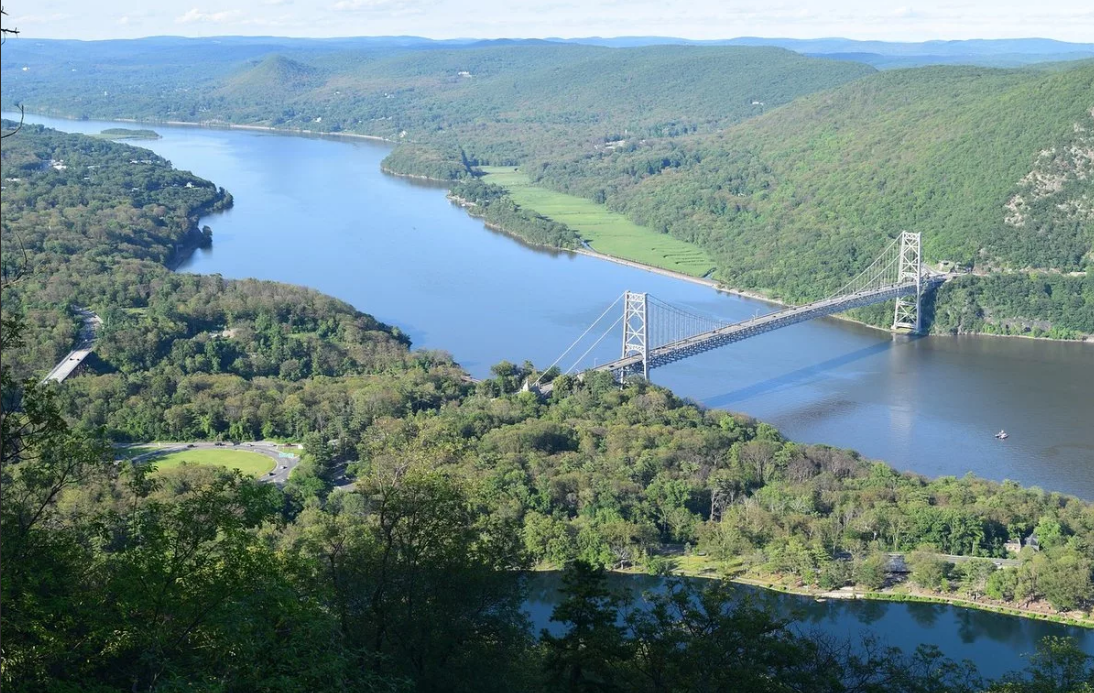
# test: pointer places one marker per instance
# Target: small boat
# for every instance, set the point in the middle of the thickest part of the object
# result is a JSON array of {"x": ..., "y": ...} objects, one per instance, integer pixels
[{"x": 1002, "y": 435}]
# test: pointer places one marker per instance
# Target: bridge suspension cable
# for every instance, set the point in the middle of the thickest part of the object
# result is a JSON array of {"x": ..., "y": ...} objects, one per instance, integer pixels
[
  {"x": 595, "y": 344},
  {"x": 656, "y": 333},
  {"x": 578, "y": 340},
  {"x": 883, "y": 271},
  {"x": 669, "y": 324}
]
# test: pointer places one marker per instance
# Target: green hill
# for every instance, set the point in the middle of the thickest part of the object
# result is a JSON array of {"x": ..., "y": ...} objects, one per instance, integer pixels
[
  {"x": 275, "y": 74},
  {"x": 500, "y": 102},
  {"x": 994, "y": 167},
  {"x": 789, "y": 171}
]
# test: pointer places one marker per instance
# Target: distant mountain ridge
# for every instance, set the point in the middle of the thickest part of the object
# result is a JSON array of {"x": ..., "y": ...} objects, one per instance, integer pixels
[
  {"x": 884, "y": 54},
  {"x": 787, "y": 169}
]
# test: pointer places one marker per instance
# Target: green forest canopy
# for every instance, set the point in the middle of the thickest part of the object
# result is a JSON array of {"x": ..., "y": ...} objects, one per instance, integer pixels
[
  {"x": 789, "y": 171},
  {"x": 113, "y": 580}
]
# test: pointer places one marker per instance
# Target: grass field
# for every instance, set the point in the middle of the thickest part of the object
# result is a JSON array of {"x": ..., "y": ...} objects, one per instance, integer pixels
[
  {"x": 250, "y": 463},
  {"x": 606, "y": 231}
]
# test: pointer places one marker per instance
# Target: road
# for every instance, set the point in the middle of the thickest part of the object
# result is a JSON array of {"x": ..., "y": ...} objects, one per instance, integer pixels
[
  {"x": 70, "y": 363},
  {"x": 280, "y": 474}
]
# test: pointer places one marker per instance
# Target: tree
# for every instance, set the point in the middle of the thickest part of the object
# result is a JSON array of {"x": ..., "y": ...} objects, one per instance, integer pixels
[
  {"x": 1066, "y": 580},
  {"x": 870, "y": 571},
  {"x": 586, "y": 657},
  {"x": 713, "y": 638},
  {"x": 1059, "y": 666},
  {"x": 928, "y": 570}
]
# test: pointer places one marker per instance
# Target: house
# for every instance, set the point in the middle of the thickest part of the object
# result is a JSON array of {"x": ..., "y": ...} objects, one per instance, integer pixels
[
  {"x": 897, "y": 564},
  {"x": 1016, "y": 545},
  {"x": 1032, "y": 542}
]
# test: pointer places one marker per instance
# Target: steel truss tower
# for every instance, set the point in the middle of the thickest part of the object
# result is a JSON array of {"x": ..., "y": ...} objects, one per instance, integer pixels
[
  {"x": 907, "y": 313},
  {"x": 636, "y": 330}
]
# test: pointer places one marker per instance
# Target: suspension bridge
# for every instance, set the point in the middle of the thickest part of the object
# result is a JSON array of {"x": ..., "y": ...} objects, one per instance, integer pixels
[{"x": 656, "y": 333}]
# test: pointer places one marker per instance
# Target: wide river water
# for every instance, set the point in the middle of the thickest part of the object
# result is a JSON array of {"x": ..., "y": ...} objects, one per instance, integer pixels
[{"x": 319, "y": 212}]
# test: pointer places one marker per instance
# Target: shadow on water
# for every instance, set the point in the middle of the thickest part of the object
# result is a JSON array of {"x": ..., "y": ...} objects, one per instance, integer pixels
[
  {"x": 796, "y": 377},
  {"x": 994, "y": 642}
]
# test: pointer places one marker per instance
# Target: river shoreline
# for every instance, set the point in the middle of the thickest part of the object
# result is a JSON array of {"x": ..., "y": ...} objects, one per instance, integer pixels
[
  {"x": 588, "y": 251},
  {"x": 417, "y": 176},
  {"x": 771, "y": 585},
  {"x": 223, "y": 125}
]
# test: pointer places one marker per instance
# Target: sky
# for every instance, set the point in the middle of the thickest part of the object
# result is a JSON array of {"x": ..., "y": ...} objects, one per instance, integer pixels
[{"x": 911, "y": 20}]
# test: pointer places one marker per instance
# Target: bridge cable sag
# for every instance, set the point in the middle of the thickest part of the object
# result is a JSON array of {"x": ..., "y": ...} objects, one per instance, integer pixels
[
  {"x": 666, "y": 333},
  {"x": 598, "y": 341},
  {"x": 883, "y": 275},
  {"x": 576, "y": 341}
]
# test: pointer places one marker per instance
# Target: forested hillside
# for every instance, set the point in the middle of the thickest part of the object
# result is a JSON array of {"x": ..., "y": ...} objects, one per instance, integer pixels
[
  {"x": 791, "y": 172},
  {"x": 995, "y": 168},
  {"x": 93, "y": 223},
  {"x": 500, "y": 103},
  {"x": 115, "y": 579}
]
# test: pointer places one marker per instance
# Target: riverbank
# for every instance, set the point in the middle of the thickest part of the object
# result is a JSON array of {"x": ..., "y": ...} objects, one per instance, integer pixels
[
  {"x": 416, "y": 176},
  {"x": 713, "y": 284},
  {"x": 698, "y": 567},
  {"x": 196, "y": 237},
  {"x": 225, "y": 125}
]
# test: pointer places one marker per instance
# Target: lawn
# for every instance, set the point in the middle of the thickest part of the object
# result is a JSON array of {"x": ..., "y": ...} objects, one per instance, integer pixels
[
  {"x": 250, "y": 463},
  {"x": 606, "y": 231}
]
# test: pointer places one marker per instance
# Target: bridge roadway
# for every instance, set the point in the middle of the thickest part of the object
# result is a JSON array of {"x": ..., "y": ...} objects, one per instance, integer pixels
[
  {"x": 719, "y": 337},
  {"x": 75, "y": 358}
]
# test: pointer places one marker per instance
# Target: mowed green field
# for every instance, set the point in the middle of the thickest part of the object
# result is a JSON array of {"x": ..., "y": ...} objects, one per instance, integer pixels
[
  {"x": 249, "y": 463},
  {"x": 606, "y": 231}
]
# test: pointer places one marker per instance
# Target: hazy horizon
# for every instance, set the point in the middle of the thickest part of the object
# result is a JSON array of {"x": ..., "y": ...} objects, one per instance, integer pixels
[
  {"x": 862, "y": 20},
  {"x": 587, "y": 37}
]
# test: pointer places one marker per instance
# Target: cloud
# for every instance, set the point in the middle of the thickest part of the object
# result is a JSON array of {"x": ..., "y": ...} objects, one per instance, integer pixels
[
  {"x": 276, "y": 3},
  {"x": 374, "y": 6},
  {"x": 43, "y": 18},
  {"x": 195, "y": 16}
]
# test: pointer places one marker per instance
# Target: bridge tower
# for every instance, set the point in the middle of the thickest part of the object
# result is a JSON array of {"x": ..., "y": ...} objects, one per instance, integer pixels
[
  {"x": 907, "y": 313},
  {"x": 636, "y": 331}
]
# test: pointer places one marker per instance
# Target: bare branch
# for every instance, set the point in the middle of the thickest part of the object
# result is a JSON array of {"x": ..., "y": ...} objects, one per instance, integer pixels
[{"x": 22, "y": 116}]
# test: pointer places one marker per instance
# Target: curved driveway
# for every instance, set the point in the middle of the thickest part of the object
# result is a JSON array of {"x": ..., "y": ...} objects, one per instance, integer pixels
[{"x": 279, "y": 475}]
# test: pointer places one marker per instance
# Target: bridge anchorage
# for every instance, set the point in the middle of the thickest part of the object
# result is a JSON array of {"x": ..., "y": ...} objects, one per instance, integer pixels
[{"x": 656, "y": 333}]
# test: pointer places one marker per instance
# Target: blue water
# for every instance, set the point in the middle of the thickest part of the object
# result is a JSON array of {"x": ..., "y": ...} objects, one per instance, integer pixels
[
  {"x": 997, "y": 644},
  {"x": 319, "y": 212}
]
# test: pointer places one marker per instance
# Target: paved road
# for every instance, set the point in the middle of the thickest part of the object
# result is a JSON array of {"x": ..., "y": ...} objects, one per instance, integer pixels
[
  {"x": 83, "y": 349},
  {"x": 279, "y": 476}
]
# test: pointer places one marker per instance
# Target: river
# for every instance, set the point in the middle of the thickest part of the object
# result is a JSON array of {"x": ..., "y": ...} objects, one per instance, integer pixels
[
  {"x": 995, "y": 643},
  {"x": 319, "y": 212}
]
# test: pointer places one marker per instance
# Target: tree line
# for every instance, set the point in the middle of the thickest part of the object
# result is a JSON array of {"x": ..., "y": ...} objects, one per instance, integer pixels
[{"x": 119, "y": 577}]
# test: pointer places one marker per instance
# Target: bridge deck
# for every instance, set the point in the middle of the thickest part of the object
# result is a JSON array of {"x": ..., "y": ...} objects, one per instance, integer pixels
[{"x": 719, "y": 337}]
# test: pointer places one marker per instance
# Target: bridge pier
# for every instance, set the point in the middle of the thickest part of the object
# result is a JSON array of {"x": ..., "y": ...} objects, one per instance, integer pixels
[
  {"x": 906, "y": 315},
  {"x": 636, "y": 332}
]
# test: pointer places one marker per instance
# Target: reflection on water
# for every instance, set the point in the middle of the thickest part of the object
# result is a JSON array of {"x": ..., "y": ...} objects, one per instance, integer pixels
[
  {"x": 396, "y": 248},
  {"x": 797, "y": 377},
  {"x": 994, "y": 642}
]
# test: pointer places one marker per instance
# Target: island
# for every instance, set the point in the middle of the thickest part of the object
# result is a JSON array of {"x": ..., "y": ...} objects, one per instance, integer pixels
[{"x": 129, "y": 134}]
